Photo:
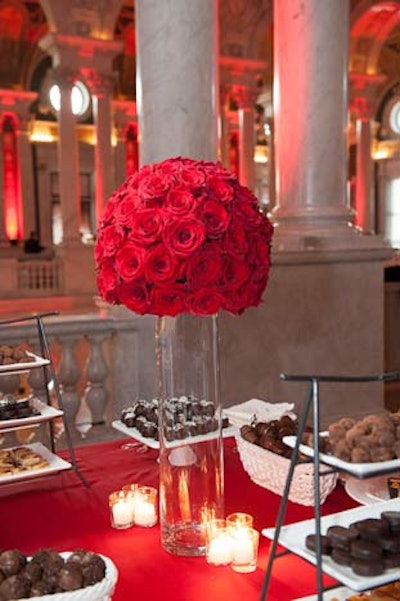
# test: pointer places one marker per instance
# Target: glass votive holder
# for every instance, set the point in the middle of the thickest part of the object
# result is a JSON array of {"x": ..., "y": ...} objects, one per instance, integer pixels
[
  {"x": 146, "y": 508},
  {"x": 218, "y": 543},
  {"x": 239, "y": 520},
  {"x": 244, "y": 549},
  {"x": 130, "y": 493},
  {"x": 121, "y": 511}
]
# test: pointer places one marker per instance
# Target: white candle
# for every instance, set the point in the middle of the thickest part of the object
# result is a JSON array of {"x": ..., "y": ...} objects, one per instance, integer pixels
[
  {"x": 145, "y": 513},
  {"x": 122, "y": 513},
  {"x": 219, "y": 550},
  {"x": 243, "y": 551}
]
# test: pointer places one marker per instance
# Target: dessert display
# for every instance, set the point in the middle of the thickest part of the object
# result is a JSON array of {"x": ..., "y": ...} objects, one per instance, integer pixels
[
  {"x": 184, "y": 417},
  {"x": 387, "y": 592},
  {"x": 10, "y": 355},
  {"x": 269, "y": 435},
  {"x": 12, "y": 407},
  {"x": 20, "y": 459},
  {"x": 372, "y": 439},
  {"x": 369, "y": 546},
  {"x": 47, "y": 572}
]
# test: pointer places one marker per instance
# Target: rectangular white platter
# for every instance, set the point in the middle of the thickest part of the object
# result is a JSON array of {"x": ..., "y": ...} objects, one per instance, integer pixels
[
  {"x": 293, "y": 537},
  {"x": 47, "y": 412},
  {"x": 56, "y": 464},
  {"x": 21, "y": 368},
  {"x": 154, "y": 444},
  {"x": 360, "y": 470}
]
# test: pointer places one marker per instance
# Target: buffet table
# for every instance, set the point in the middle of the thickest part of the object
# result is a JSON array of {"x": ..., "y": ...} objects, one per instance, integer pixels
[{"x": 60, "y": 512}]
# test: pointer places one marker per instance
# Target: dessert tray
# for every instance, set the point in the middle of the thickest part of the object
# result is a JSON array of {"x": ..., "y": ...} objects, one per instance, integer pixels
[
  {"x": 337, "y": 594},
  {"x": 47, "y": 412},
  {"x": 360, "y": 470},
  {"x": 154, "y": 444},
  {"x": 293, "y": 538},
  {"x": 20, "y": 368},
  {"x": 55, "y": 464},
  {"x": 367, "y": 492}
]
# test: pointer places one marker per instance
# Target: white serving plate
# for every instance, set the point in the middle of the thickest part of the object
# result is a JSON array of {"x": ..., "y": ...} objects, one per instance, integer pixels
[
  {"x": 20, "y": 368},
  {"x": 369, "y": 491},
  {"x": 293, "y": 538},
  {"x": 154, "y": 444},
  {"x": 338, "y": 594},
  {"x": 56, "y": 464},
  {"x": 361, "y": 470},
  {"x": 47, "y": 412}
]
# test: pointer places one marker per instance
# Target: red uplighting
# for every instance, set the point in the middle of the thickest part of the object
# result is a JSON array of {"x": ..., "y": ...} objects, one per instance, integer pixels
[{"x": 11, "y": 184}]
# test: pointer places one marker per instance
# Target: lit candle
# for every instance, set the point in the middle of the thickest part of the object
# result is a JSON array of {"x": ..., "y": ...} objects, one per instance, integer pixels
[
  {"x": 145, "y": 506},
  {"x": 219, "y": 549},
  {"x": 121, "y": 510},
  {"x": 244, "y": 549}
]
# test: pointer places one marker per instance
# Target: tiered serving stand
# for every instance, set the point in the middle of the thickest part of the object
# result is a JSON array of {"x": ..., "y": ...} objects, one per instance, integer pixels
[
  {"x": 48, "y": 413},
  {"x": 312, "y": 405}
]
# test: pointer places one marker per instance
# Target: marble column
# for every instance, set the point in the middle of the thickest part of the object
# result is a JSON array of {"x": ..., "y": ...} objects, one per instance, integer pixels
[
  {"x": 177, "y": 85},
  {"x": 245, "y": 99},
  {"x": 68, "y": 153},
  {"x": 364, "y": 188},
  {"x": 124, "y": 114},
  {"x": 30, "y": 216},
  {"x": 310, "y": 107},
  {"x": 101, "y": 86}
]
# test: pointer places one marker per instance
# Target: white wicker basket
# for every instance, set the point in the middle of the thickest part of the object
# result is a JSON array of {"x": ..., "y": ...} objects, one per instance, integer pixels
[
  {"x": 269, "y": 470},
  {"x": 101, "y": 591}
]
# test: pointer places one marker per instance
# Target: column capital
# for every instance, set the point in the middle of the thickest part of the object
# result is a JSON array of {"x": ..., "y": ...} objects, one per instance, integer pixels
[
  {"x": 363, "y": 94},
  {"x": 99, "y": 84},
  {"x": 17, "y": 102},
  {"x": 244, "y": 96}
]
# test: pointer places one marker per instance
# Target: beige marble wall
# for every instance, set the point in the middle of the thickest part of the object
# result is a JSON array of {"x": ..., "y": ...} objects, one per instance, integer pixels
[{"x": 323, "y": 316}]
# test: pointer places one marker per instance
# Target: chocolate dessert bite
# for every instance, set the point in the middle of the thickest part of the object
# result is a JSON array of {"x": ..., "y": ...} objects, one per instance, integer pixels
[
  {"x": 14, "y": 587},
  {"x": 70, "y": 577},
  {"x": 12, "y": 562}
]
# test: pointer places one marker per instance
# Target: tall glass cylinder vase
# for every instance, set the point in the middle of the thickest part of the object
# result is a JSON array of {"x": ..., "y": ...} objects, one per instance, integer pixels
[{"x": 190, "y": 431}]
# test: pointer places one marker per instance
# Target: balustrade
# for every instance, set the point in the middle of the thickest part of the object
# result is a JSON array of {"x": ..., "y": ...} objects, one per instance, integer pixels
[{"x": 98, "y": 361}]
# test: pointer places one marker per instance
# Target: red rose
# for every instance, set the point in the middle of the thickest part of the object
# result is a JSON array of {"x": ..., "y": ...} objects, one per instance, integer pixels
[
  {"x": 135, "y": 296},
  {"x": 107, "y": 282},
  {"x": 250, "y": 295},
  {"x": 129, "y": 261},
  {"x": 235, "y": 240},
  {"x": 248, "y": 213},
  {"x": 160, "y": 265},
  {"x": 180, "y": 201},
  {"x": 204, "y": 267},
  {"x": 167, "y": 300},
  {"x": 110, "y": 239},
  {"x": 215, "y": 218},
  {"x": 153, "y": 187},
  {"x": 184, "y": 236},
  {"x": 125, "y": 211},
  {"x": 192, "y": 177},
  {"x": 146, "y": 226},
  {"x": 206, "y": 301},
  {"x": 219, "y": 189},
  {"x": 235, "y": 271}
]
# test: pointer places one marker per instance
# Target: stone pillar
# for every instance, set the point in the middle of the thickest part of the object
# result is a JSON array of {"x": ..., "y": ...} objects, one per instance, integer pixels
[
  {"x": 124, "y": 113},
  {"x": 30, "y": 208},
  {"x": 310, "y": 107},
  {"x": 101, "y": 86},
  {"x": 245, "y": 99},
  {"x": 68, "y": 161},
  {"x": 177, "y": 79}
]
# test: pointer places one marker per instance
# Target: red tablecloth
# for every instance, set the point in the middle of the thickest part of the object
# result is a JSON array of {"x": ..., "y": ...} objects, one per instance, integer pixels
[{"x": 64, "y": 514}]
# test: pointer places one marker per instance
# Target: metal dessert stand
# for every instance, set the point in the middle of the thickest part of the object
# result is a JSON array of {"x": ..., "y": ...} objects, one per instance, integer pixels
[{"x": 312, "y": 405}]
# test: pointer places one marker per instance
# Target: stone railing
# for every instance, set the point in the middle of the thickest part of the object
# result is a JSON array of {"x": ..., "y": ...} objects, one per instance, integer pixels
[
  {"x": 40, "y": 277},
  {"x": 97, "y": 362}
]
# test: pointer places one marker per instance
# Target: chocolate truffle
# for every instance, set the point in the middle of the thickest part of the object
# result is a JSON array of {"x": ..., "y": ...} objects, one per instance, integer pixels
[
  {"x": 14, "y": 587},
  {"x": 70, "y": 577},
  {"x": 12, "y": 562}
]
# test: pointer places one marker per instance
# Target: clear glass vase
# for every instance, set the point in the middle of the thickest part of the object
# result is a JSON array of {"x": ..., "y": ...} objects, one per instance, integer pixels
[{"x": 190, "y": 431}]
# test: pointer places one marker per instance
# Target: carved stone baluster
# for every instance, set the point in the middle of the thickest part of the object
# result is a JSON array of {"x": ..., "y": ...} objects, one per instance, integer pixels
[
  {"x": 96, "y": 372},
  {"x": 68, "y": 376}
]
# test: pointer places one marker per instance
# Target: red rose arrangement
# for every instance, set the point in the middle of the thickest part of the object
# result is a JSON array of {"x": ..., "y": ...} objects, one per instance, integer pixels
[{"x": 183, "y": 236}]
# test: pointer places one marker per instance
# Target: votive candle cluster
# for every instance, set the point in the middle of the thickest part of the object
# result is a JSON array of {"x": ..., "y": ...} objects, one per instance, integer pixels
[
  {"x": 232, "y": 541},
  {"x": 134, "y": 505}
]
